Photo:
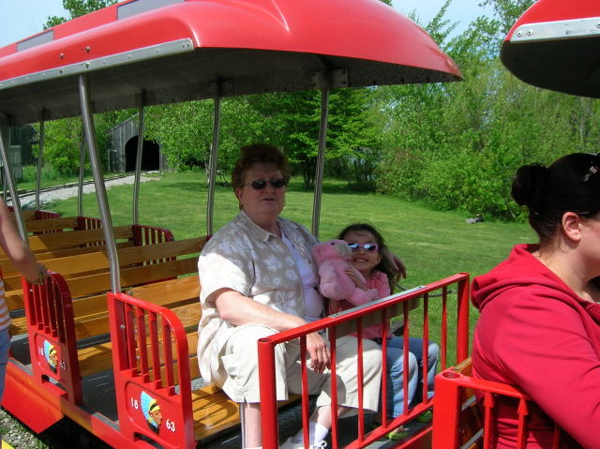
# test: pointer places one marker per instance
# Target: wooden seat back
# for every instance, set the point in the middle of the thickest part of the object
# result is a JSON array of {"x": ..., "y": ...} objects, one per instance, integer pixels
[{"x": 31, "y": 215}]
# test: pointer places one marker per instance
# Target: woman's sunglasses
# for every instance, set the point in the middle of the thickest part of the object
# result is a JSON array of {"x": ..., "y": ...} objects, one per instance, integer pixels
[
  {"x": 260, "y": 184},
  {"x": 368, "y": 247}
]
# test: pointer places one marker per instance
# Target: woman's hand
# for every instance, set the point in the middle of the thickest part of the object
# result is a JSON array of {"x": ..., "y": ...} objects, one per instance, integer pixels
[
  {"x": 318, "y": 351},
  {"x": 356, "y": 278}
]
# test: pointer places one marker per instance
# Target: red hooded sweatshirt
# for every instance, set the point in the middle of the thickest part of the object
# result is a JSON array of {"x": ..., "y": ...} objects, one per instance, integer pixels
[{"x": 536, "y": 334}]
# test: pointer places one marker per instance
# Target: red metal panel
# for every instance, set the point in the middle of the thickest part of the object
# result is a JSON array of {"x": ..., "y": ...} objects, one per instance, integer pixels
[
  {"x": 310, "y": 26},
  {"x": 146, "y": 372},
  {"x": 458, "y": 419},
  {"x": 555, "y": 45},
  {"x": 51, "y": 332},
  {"x": 43, "y": 214},
  {"x": 22, "y": 391}
]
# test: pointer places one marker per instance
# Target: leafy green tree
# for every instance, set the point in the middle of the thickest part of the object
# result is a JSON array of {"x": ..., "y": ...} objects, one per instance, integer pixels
[
  {"x": 62, "y": 145},
  {"x": 185, "y": 131},
  {"x": 78, "y": 8},
  {"x": 508, "y": 11},
  {"x": 295, "y": 118}
]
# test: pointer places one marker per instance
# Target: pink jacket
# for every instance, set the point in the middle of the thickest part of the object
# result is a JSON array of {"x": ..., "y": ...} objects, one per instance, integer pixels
[
  {"x": 379, "y": 284},
  {"x": 535, "y": 333}
]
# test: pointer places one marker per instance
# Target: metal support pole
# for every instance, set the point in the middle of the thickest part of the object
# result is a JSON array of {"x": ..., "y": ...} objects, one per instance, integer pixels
[
  {"x": 10, "y": 180},
  {"x": 138, "y": 166},
  {"x": 38, "y": 180},
  {"x": 81, "y": 175},
  {"x": 320, "y": 162},
  {"x": 90, "y": 137},
  {"x": 212, "y": 164}
]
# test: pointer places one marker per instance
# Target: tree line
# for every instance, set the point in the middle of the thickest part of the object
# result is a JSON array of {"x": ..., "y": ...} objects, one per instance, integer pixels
[{"x": 454, "y": 145}]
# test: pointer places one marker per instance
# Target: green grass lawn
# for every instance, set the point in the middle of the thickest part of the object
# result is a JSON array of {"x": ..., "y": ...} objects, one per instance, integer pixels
[{"x": 432, "y": 244}]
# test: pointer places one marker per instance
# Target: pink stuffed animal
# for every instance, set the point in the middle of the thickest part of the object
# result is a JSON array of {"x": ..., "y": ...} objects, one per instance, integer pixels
[{"x": 332, "y": 259}]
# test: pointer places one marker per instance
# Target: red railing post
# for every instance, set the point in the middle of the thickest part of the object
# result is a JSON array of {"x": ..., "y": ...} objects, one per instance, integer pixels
[
  {"x": 446, "y": 412},
  {"x": 464, "y": 300},
  {"x": 268, "y": 394}
]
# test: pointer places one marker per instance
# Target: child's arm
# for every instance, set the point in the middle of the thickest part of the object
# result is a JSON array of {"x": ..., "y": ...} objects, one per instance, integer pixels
[{"x": 16, "y": 249}]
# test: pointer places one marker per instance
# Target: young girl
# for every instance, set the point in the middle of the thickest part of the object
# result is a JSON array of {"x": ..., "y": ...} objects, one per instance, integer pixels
[{"x": 380, "y": 273}]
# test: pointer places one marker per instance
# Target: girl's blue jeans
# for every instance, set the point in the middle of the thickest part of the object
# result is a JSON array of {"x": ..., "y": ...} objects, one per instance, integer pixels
[
  {"x": 4, "y": 350},
  {"x": 395, "y": 372}
]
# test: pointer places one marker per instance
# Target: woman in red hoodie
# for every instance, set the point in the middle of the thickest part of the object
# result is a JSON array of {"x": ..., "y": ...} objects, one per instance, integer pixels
[{"x": 539, "y": 328}]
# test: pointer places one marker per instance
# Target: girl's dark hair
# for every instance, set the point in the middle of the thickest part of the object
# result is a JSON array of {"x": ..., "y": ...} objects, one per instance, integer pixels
[
  {"x": 387, "y": 264},
  {"x": 258, "y": 153},
  {"x": 571, "y": 184}
]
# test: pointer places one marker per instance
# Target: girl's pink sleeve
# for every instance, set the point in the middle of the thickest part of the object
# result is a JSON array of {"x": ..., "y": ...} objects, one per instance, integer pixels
[{"x": 381, "y": 283}]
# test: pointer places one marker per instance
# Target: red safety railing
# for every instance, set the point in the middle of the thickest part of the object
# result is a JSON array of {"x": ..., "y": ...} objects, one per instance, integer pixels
[
  {"x": 465, "y": 412},
  {"x": 151, "y": 370},
  {"x": 452, "y": 296},
  {"x": 52, "y": 341},
  {"x": 151, "y": 358}
]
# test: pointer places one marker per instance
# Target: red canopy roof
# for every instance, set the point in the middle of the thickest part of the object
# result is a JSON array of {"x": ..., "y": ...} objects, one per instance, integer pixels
[
  {"x": 555, "y": 45},
  {"x": 160, "y": 51}
]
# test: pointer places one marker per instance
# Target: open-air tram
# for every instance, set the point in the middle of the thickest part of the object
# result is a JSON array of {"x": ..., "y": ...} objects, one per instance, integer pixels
[{"x": 112, "y": 332}]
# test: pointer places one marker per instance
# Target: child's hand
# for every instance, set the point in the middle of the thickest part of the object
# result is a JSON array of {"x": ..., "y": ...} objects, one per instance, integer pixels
[
  {"x": 42, "y": 273},
  {"x": 356, "y": 278}
]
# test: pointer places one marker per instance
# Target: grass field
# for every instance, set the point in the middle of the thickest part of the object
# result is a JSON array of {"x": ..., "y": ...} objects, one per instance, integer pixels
[{"x": 432, "y": 244}]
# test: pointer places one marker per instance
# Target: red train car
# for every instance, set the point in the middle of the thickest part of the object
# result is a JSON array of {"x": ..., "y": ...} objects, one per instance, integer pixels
[{"x": 109, "y": 340}]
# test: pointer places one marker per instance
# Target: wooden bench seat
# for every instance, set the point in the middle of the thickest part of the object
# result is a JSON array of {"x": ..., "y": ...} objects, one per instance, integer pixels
[
  {"x": 179, "y": 295},
  {"x": 64, "y": 244},
  {"x": 75, "y": 239},
  {"x": 62, "y": 224},
  {"x": 213, "y": 412},
  {"x": 88, "y": 274}
]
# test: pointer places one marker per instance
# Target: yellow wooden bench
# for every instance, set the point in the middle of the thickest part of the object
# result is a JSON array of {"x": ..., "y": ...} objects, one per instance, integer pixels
[
  {"x": 52, "y": 245},
  {"x": 180, "y": 295},
  {"x": 88, "y": 277}
]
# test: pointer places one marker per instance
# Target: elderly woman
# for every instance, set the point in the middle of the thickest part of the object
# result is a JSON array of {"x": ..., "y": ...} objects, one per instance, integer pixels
[
  {"x": 258, "y": 278},
  {"x": 539, "y": 327}
]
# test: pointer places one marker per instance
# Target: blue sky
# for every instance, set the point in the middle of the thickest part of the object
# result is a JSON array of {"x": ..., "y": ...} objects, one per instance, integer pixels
[{"x": 22, "y": 18}]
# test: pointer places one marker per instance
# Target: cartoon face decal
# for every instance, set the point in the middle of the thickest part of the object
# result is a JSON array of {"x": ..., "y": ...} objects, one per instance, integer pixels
[
  {"x": 152, "y": 411},
  {"x": 52, "y": 356}
]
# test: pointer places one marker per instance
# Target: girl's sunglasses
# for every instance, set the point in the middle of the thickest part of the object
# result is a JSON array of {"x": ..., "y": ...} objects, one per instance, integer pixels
[
  {"x": 260, "y": 184},
  {"x": 368, "y": 247}
]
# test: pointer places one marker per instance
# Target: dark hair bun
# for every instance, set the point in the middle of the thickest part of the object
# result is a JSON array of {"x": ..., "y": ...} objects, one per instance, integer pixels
[{"x": 529, "y": 185}]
